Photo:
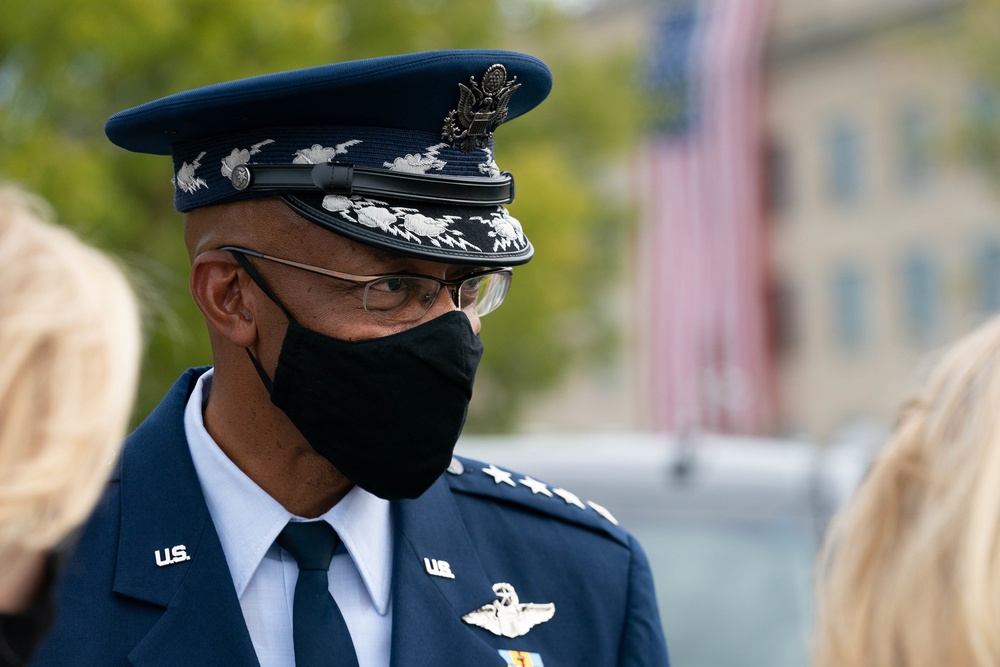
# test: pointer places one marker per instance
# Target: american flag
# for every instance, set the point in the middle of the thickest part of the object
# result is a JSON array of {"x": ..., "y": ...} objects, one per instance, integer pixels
[{"x": 703, "y": 357}]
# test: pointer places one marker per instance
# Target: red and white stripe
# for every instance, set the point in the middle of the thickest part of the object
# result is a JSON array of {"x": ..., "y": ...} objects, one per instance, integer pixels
[{"x": 701, "y": 269}]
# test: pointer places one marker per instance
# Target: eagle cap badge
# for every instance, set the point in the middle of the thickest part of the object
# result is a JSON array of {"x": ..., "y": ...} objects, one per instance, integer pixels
[
  {"x": 507, "y": 616},
  {"x": 481, "y": 107}
]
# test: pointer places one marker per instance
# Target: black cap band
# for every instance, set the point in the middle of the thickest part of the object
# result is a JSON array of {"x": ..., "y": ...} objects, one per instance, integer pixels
[{"x": 343, "y": 178}]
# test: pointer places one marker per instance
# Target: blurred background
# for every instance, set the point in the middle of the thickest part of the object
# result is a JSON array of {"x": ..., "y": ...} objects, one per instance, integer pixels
[{"x": 756, "y": 222}]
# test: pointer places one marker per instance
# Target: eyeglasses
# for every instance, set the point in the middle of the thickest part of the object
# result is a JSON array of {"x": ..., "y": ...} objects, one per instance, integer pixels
[{"x": 408, "y": 297}]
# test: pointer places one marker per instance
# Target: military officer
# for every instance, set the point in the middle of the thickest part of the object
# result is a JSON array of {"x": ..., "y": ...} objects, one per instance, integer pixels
[{"x": 298, "y": 503}]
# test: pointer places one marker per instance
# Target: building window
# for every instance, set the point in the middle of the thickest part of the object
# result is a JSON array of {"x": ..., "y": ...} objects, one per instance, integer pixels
[
  {"x": 979, "y": 135},
  {"x": 851, "y": 307},
  {"x": 984, "y": 105},
  {"x": 988, "y": 278},
  {"x": 915, "y": 159},
  {"x": 783, "y": 317},
  {"x": 921, "y": 296},
  {"x": 777, "y": 178},
  {"x": 844, "y": 157}
]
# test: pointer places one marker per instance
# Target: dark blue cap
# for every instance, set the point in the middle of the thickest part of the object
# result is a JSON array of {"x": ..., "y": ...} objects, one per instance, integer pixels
[{"x": 395, "y": 152}]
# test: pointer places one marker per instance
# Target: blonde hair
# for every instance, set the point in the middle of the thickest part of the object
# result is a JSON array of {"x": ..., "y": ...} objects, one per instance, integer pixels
[
  {"x": 910, "y": 571},
  {"x": 69, "y": 356}
]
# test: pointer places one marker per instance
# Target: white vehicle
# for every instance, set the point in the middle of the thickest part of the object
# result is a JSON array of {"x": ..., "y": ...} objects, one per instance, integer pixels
[{"x": 731, "y": 527}]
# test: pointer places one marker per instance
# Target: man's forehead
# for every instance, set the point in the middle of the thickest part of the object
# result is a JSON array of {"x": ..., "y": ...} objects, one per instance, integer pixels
[{"x": 386, "y": 255}]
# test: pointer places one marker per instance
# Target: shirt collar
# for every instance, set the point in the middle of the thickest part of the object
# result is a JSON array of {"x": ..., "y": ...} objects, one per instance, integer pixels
[
  {"x": 363, "y": 523},
  {"x": 248, "y": 520}
]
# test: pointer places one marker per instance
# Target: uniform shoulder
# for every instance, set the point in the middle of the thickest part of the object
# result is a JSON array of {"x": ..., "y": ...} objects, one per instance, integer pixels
[{"x": 486, "y": 480}]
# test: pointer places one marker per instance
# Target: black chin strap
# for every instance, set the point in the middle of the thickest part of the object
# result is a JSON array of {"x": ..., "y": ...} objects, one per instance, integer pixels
[{"x": 262, "y": 284}]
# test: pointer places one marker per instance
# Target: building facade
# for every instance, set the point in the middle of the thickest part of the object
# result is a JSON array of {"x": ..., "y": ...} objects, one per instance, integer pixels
[
  {"x": 883, "y": 237},
  {"x": 880, "y": 239}
]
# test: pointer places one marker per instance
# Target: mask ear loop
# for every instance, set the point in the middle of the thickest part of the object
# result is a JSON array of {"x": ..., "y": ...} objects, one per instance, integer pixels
[{"x": 262, "y": 284}]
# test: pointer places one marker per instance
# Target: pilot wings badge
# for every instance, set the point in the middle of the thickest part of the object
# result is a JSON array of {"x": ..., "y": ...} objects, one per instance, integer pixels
[
  {"x": 507, "y": 616},
  {"x": 481, "y": 107}
]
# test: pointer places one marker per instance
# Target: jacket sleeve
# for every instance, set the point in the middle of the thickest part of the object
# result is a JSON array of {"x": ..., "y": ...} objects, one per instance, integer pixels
[{"x": 643, "y": 644}]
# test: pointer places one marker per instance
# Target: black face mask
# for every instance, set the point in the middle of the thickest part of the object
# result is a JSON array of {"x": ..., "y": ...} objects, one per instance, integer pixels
[{"x": 387, "y": 411}]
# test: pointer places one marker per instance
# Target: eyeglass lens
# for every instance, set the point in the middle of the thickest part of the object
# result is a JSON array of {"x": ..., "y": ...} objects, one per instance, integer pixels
[{"x": 404, "y": 298}]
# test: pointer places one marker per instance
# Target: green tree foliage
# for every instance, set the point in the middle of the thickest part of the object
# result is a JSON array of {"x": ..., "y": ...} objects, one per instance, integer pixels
[
  {"x": 968, "y": 33},
  {"x": 65, "y": 66}
]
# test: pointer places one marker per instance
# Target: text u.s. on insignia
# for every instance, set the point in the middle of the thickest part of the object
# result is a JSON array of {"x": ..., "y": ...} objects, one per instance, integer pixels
[
  {"x": 507, "y": 616},
  {"x": 520, "y": 658},
  {"x": 172, "y": 555},
  {"x": 438, "y": 568}
]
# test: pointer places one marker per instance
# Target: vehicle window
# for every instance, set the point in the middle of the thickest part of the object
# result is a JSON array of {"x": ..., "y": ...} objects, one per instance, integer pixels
[{"x": 733, "y": 593}]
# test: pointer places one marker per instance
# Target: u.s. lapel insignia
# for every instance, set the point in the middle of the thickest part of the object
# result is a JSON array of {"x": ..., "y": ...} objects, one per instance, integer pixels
[
  {"x": 520, "y": 658},
  {"x": 438, "y": 568},
  {"x": 507, "y": 616},
  {"x": 172, "y": 555},
  {"x": 481, "y": 107}
]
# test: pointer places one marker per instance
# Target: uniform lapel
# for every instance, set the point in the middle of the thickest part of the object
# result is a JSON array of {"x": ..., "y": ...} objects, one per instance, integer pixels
[
  {"x": 169, "y": 553},
  {"x": 427, "y": 609}
]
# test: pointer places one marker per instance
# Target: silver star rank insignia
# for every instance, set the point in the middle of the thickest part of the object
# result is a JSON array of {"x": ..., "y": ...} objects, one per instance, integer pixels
[
  {"x": 481, "y": 107},
  {"x": 507, "y": 616}
]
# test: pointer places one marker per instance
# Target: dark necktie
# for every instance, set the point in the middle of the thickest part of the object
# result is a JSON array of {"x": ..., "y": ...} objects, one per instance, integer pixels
[{"x": 319, "y": 632}]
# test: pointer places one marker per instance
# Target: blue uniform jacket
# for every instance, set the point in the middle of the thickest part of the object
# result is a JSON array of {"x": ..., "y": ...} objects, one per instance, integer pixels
[{"x": 116, "y": 606}]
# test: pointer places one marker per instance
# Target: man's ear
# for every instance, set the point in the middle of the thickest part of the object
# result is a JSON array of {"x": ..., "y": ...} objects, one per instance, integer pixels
[{"x": 218, "y": 287}]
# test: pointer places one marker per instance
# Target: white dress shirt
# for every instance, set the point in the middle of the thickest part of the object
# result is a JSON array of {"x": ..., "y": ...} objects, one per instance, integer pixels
[{"x": 248, "y": 521}]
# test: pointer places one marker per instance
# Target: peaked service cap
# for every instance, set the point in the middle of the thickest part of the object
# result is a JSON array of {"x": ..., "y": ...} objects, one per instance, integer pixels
[{"x": 394, "y": 152}]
